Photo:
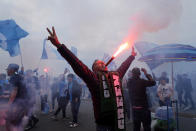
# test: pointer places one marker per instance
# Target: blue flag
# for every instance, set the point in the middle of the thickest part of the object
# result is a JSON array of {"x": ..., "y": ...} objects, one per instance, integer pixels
[
  {"x": 10, "y": 34},
  {"x": 49, "y": 52},
  {"x": 44, "y": 53}
]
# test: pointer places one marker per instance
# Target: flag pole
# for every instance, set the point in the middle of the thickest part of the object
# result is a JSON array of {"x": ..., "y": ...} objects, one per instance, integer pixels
[
  {"x": 21, "y": 56},
  {"x": 21, "y": 60}
]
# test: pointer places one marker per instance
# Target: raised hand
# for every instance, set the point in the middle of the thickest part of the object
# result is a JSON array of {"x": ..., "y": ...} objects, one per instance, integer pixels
[
  {"x": 144, "y": 70},
  {"x": 53, "y": 38},
  {"x": 133, "y": 53}
]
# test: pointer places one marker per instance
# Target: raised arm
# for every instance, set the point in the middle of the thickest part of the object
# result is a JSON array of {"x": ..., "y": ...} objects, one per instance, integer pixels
[
  {"x": 150, "y": 82},
  {"x": 79, "y": 68},
  {"x": 125, "y": 65}
]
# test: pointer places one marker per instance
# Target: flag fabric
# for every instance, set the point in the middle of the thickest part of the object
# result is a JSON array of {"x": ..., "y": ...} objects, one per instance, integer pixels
[
  {"x": 10, "y": 34},
  {"x": 49, "y": 52},
  {"x": 44, "y": 54}
]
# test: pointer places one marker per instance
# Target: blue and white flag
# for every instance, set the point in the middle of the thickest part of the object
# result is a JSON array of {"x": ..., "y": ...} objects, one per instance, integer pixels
[
  {"x": 10, "y": 34},
  {"x": 44, "y": 54},
  {"x": 50, "y": 52}
]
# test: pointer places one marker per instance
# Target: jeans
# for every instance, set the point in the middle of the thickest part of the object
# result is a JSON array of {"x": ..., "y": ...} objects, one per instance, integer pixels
[
  {"x": 54, "y": 97},
  {"x": 141, "y": 116},
  {"x": 62, "y": 104},
  {"x": 75, "y": 109}
]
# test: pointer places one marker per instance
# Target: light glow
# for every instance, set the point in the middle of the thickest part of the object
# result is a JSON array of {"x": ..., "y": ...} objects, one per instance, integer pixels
[
  {"x": 121, "y": 48},
  {"x": 46, "y": 70}
]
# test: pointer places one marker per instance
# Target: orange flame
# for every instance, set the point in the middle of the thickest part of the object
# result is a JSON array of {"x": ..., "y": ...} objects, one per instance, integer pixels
[{"x": 121, "y": 48}]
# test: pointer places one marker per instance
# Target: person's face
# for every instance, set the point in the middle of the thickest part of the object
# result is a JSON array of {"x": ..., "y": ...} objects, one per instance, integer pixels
[
  {"x": 69, "y": 79},
  {"x": 10, "y": 72},
  {"x": 163, "y": 82},
  {"x": 99, "y": 66}
]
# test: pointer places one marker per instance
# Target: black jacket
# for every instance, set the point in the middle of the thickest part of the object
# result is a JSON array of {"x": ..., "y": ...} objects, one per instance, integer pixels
[{"x": 137, "y": 91}]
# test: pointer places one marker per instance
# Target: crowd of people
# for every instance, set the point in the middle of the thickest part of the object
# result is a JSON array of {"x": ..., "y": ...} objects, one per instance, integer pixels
[
  {"x": 115, "y": 96},
  {"x": 23, "y": 92}
]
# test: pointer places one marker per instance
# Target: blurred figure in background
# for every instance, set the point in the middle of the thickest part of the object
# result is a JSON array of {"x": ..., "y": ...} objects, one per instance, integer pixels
[
  {"x": 137, "y": 92},
  {"x": 4, "y": 97},
  {"x": 31, "y": 84},
  {"x": 4, "y": 89},
  {"x": 44, "y": 91},
  {"x": 188, "y": 91},
  {"x": 62, "y": 97},
  {"x": 162, "y": 77},
  {"x": 180, "y": 90},
  {"x": 165, "y": 93},
  {"x": 54, "y": 92},
  {"x": 75, "y": 91},
  {"x": 18, "y": 100}
]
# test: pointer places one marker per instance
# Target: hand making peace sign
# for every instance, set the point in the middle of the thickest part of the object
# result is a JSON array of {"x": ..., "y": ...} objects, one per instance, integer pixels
[{"x": 53, "y": 38}]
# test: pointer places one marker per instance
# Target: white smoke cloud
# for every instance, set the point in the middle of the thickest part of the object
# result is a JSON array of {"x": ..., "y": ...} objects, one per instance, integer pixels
[
  {"x": 94, "y": 27},
  {"x": 155, "y": 16}
]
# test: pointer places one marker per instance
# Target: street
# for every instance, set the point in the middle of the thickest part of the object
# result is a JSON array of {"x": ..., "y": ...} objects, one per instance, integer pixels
[{"x": 86, "y": 121}]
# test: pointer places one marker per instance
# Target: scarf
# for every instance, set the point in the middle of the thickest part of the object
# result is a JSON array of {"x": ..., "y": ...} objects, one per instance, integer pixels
[{"x": 112, "y": 102}]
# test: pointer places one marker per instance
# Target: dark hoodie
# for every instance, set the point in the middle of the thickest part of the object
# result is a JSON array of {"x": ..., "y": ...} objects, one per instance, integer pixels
[{"x": 137, "y": 90}]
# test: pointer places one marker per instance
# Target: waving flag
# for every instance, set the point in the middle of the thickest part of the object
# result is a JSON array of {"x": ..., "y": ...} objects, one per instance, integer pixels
[
  {"x": 44, "y": 54},
  {"x": 49, "y": 52},
  {"x": 10, "y": 34}
]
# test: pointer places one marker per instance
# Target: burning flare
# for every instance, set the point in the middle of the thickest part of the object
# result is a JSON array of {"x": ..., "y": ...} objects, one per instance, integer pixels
[{"x": 121, "y": 48}]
